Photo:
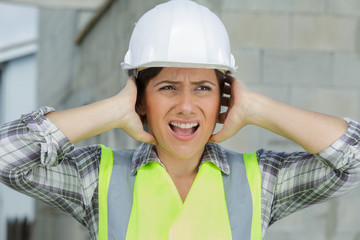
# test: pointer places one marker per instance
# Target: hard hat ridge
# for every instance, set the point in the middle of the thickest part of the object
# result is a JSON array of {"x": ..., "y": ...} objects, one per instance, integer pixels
[{"x": 179, "y": 33}]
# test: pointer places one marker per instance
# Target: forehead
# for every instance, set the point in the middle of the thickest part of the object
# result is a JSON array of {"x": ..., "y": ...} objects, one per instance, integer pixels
[{"x": 183, "y": 74}]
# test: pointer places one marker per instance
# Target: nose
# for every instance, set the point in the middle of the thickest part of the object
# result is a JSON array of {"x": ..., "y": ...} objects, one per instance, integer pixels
[{"x": 185, "y": 105}]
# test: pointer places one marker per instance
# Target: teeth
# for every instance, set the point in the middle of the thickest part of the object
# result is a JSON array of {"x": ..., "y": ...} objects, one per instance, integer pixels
[{"x": 184, "y": 125}]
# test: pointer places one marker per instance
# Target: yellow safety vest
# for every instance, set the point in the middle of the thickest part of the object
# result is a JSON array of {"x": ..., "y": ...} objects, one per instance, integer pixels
[{"x": 159, "y": 213}]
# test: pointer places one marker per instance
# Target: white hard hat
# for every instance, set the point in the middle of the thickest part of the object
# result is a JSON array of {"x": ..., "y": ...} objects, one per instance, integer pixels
[{"x": 179, "y": 33}]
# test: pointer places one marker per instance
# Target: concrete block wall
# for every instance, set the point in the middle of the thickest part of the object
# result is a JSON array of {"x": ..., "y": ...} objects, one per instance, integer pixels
[
  {"x": 305, "y": 53},
  {"x": 302, "y": 52}
]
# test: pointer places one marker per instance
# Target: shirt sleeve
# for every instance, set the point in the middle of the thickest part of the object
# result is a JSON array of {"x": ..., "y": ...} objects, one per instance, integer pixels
[
  {"x": 38, "y": 160},
  {"x": 293, "y": 181}
]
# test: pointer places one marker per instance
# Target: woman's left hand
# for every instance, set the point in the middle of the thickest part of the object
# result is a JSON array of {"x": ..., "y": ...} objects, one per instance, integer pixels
[
  {"x": 313, "y": 131},
  {"x": 237, "y": 104}
]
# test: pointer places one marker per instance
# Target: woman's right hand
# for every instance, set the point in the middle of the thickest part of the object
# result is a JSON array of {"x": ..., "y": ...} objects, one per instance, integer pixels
[
  {"x": 116, "y": 112},
  {"x": 129, "y": 120}
]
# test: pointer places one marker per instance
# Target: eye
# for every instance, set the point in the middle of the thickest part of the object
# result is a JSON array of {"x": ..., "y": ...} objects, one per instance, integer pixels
[
  {"x": 168, "y": 87},
  {"x": 203, "y": 88}
]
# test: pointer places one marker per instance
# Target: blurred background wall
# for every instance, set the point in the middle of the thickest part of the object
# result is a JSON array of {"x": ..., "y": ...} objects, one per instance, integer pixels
[
  {"x": 302, "y": 52},
  {"x": 18, "y": 89}
]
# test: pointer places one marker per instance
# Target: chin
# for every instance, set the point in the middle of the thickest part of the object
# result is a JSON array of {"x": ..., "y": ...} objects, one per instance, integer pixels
[{"x": 186, "y": 152}]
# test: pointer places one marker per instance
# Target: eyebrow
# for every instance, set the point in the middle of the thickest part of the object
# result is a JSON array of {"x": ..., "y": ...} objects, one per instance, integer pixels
[
  {"x": 203, "y": 82},
  {"x": 193, "y": 82},
  {"x": 166, "y": 82}
]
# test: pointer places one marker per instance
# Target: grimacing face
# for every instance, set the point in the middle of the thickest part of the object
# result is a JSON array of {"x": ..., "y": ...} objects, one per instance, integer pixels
[{"x": 181, "y": 106}]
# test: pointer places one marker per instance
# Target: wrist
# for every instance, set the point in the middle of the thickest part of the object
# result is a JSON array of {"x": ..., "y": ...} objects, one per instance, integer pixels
[
  {"x": 117, "y": 111},
  {"x": 253, "y": 105}
]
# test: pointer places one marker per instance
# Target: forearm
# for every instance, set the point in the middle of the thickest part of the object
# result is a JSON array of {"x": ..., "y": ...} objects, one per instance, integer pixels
[
  {"x": 86, "y": 121},
  {"x": 331, "y": 173},
  {"x": 313, "y": 131},
  {"x": 115, "y": 112}
]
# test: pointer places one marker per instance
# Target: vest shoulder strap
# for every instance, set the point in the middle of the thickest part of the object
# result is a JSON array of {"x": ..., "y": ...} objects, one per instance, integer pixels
[
  {"x": 243, "y": 195},
  {"x": 106, "y": 165},
  {"x": 254, "y": 179},
  {"x": 115, "y": 191}
]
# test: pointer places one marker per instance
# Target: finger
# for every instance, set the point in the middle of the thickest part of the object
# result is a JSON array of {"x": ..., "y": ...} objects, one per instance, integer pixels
[
  {"x": 148, "y": 138},
  {"x": 225, "y": 101},
  {"x": 132, "y": 79},
  {"x": 217, "y": 137},
  {"x": 227, "y": 90},
  {"x": 222, "y": 117},
  {"x": 225, "y": 132},
  {"x": 229, "y": 79},
  {"x": 145, "y": 137},
  {"x": 131, "y": 82}
]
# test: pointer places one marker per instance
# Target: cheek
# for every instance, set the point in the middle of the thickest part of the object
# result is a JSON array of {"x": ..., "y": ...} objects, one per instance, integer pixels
[
  {"x": 155, "y": 108},
  {"x": 212, "y": 109},
  {"x": 149, "y": 107}
]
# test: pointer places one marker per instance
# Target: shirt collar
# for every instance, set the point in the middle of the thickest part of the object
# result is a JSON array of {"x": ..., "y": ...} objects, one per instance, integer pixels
[{"x": 146, "y": 153}]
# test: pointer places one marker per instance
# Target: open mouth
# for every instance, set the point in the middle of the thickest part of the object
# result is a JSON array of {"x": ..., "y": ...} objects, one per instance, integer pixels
[{"x": 184, "y": 129}]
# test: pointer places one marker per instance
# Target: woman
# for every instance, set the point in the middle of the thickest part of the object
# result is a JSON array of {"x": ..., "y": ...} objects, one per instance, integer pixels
[{"x": 179, "y": 184}]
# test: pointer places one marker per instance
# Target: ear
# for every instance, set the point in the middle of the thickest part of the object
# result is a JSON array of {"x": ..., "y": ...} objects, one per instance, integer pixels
[{"x": 141, "y": 110}]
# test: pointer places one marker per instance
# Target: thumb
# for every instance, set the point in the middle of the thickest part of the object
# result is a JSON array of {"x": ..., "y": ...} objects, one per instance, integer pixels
[
  {"x": 218, "y": 137},
  {"x": 141, "y": 135},
  {"x": 147, "y": 137}
]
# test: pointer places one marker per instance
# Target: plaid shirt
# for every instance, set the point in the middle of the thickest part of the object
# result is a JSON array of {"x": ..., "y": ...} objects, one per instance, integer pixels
[{"x": 38, "y": 160}]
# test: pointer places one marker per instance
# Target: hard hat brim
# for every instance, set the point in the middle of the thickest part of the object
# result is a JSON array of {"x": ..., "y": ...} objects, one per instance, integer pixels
[{"x": 127, "y": 66}]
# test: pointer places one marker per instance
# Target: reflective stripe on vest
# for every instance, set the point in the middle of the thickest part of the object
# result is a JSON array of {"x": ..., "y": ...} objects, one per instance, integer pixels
[{"x": 242, "y": 190}]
